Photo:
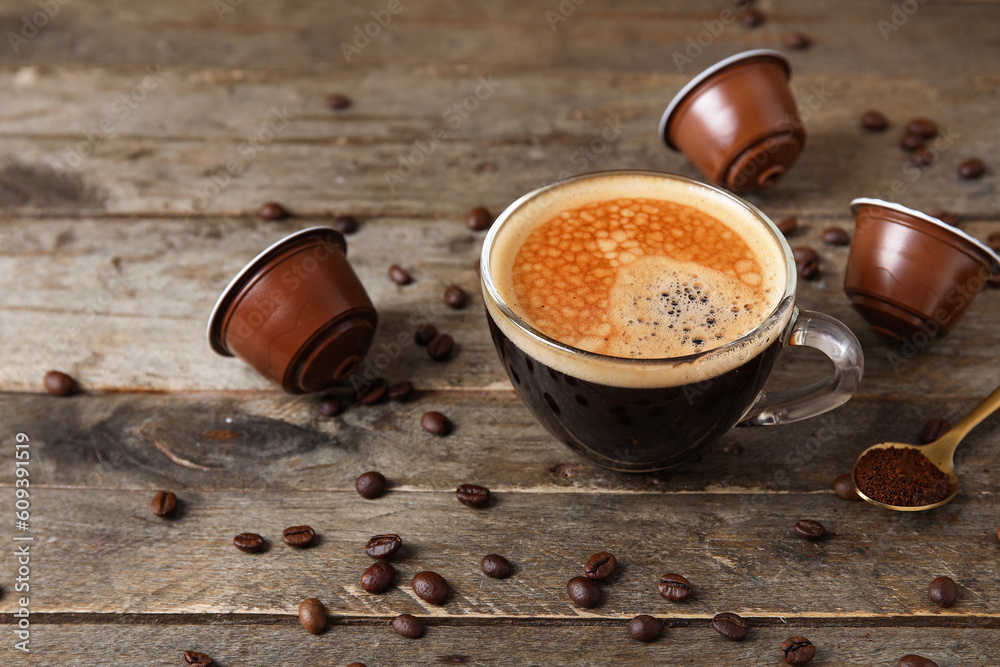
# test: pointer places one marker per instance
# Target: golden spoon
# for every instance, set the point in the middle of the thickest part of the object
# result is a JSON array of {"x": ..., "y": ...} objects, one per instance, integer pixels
[{"x": 941, "y": 453}]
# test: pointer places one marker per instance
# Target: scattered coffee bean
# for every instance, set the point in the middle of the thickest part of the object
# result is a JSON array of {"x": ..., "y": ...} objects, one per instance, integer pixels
[
  {"x": 600, "y": 566},
  {"x": 373, "y": 392},
  {"x": 809, "y": 530},
  {"x": 357, "y": 664},
  {"x": 971, "y": 168},
  {"x": 195, "y": 659},
  {"x": 164, "y": 503},
  {"x": 806, "y": 262},
  {"x": 440, "y": 347},
  {"x": 58, "y": 383},
  {"x": 408, "y": 626},
  {"x": 788, "y": 225},
  {"x": 345, "y": 224},
  {"x": 730, "y": 625},
  {"x": 934, "y": 429},
  {"x": 836, "y": 236},
  {"x": 993, "y": 241},
  {"x": 912, "y": 660},
  {"x": 312, "y": 615},
  {"x": 249, "y": 542},
  {"x": 645, "y": 628},
  {"x": 922, "y": 157},
  {"x": 843, "y": 486},
  {"x": 337, "y": 101},
  {"x": 584, "y": 592},
  {"x": 383, "y": 546},
  {"x": 436, "y": 423},
  {"x": 873, "y": 120},
  {"x": 370, "y": 485},
  {"x": 430, "y": 587},
  {"x": 943, "y": 591},
  {"x": 924, "y": 127},
  {"x": 399, "y": 275},
  {"x": 911, "y": 141},
  {"x": 298, "y": 536},
  {"x": 752, "y": 18},
  {"x": 378, "y": 577},
  {"x": 478, "y": 219},
  {"x": 272, "y": 211},
  {"x": 455, "y": 296},
  {"x": 424, "y": 334},
  {"x": 796, "y": 40},
  {"x": 674, "y": 587},
  {"x": 400, "y": 392},
  {"x": 797, "y": 650},
  {"x": 329, "y": 406},
  {"x": 947, "y": 217},
  {"x": 495, "y": 566},
  {"x": 473, "y": 495}
]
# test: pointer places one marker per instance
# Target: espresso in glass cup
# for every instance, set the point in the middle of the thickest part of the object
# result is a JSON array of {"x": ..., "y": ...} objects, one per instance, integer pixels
[{"x": 638, "y": 315}]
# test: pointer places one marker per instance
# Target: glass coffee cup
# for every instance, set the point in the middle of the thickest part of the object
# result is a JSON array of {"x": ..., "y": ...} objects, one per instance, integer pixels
[{"x": 638, "y": 315}]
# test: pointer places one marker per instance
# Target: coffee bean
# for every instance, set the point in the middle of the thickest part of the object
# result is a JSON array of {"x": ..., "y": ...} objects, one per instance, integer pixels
[
  {"x": 430, "y": 587},
  {"x": 752, "y": 18},
  {"x": 911, "y": 142},
  {"x": 345, "y": 224},
  {"x": 478, "y": 219},
  {"x": 373, "y": 392},
  {"x": 836, "y": 236},
  {"x": 993, "y": 241},
  {"x": 797, "y": 650},
  {"x": 400, "y": 392},
  {"x": 806, "y": 262},
  {"x": 440, "y": 347},
  {"x": 788, "y": 225},
  {"x": 495, "y": 566},
  {"x": 843, "y": 486},
  {"x": 796, "y": 40},
  {"x": 329, "y": 406},
  {"x": 164, "y": 503},
  {"x": 730, "y": 625},
  {"x": 298, "y": 536},
  {"x": 312, "y": 615},
  {"x": 58, "y": 383},
  {"x": 383, "y": 546},
  {"x": 357, "y": 664},
  {"x": 924, "y": 127},
  {"x": 195, "y": 659},
  {"x": 436, "y": 423},
  {"x": 809, "y": 530},
  {"x": 875, "y": 121},
  {"x": 408, "y": 626},
  {"x": 584, "y": 592},
  {"x": 645, "y": 628},
  {"x": 912, "y": 660},
  {"x": 399, "y": 275},
  {"x": 272, "y": 211},
  {"x": 947, "y": 217},
  {"x": 425, "y": 334},
  {"x": 370, "y": 485},
  {"x": 473, "y": 495},
  {"x": 943, "y": 591},
  {"x": 378, "y": 577},
  {"x": 600, "y": 566},
  {"x": 337, "y": 101},
  {"x": 674, "y": 587},
  {"x": 971, "y": 168},
  {"x": 934, "y": 429},
  {"x": 455, "y": 296},
  {"x": 249, "y": 542},
  {"x": 922, "y": 157}
]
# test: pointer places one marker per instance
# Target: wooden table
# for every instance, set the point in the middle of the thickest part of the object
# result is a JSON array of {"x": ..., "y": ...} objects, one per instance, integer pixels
[{"x": 133, "y": 156}]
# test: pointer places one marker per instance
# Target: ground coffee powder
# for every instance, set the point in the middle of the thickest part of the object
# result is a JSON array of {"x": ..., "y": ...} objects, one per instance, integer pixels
[{"x": 901, "y": 476}]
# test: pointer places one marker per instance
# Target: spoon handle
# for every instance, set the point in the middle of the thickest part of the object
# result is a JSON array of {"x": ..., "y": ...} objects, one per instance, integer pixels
[{"x": 981, "y": 412}]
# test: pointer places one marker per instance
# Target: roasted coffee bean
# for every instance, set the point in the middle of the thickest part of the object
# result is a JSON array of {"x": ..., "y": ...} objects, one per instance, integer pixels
[
  {"x": 752, "y": 18},
  {"x": 430, "y": 587},
  {"x": 408, "y": 626},
  {"x": 436, "y": 423},
  {"x": 399, "y": 275},
  {"x": 971, "y": 168},
  {"x": 272, "y": 211},
  {"x": 425, "y": 334},
  {"x": 873, "y": 120},
  {"x": 993, "y": 241},
  {"x": 806, "y": 262},
  {"x": 312, "y": 615},
  {"x": 478, "y": 219},
  {"x": 455, "y": 296},
  {"x": 298, "y": 536},
  {"x": 337, "y": 101},
  {"x": 248, "y": 542},
  {"x": 911, "y": 142},
  {"x": 373, "y": 392},
  {"x": 495, "y": 566},
  {"x": 378, "y": 577},
  {"x": 922, "y": 157},
  {"x": 836, "y": 236},
  {"x": 357, "y": 664},
  {"x": 809, "y": 530},
  {"x": 730, "y": 625},
  {"x": 345, "y": 224},
  {"x": 796, "y": 40},
  {"x": 934, "y": 429},
  {"x": 924, "y": 127},
  {"x": 329, "y": 406},
  {"x": 600, "y": 566},
  {"x": 584, "y": 592},
  {"x": 440, "y": 347},
  {"x": 370, "y": 485},
  {"x": 788, "y": 225},
  {"x": 195, "y": 659},
  {"x": 947, "y": 217},
  {"x": 943, "y": 591},
  {"x": 674, "y": 587},
  {"x": 645, "y": 628},
  {"x": 383, "y": 546},
  {"x": 843, "y": 486},
  {"x": 912, "y": 660},
  {"x": 164, "y": 503},
  {"x": 400, "y": 392},
  {"x": 797, "y": 650},
  {"x": 58, "y": 383},
  {"x": 473, "y": 495}
]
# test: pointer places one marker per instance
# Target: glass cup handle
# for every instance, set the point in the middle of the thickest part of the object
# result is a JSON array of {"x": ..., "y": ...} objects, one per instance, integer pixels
[{"x": 831, "y": 337}]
